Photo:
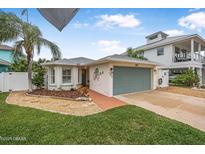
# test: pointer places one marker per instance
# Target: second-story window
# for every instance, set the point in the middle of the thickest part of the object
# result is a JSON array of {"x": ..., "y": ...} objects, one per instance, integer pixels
[{"x": 160, "y": 51}]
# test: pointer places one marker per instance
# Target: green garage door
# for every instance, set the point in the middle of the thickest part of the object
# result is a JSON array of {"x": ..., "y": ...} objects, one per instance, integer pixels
[{"x": 131, "y": 79}]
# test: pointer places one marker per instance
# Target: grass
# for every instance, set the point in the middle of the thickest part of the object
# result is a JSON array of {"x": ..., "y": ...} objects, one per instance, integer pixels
[{"x": 124, "y": 125}]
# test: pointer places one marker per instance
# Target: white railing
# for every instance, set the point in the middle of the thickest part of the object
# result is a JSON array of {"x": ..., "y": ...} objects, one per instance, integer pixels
[
  {"x": 198, "y": 57},
  {"x": 181, "y": 58},
  {"x": 187, "y": 57}
]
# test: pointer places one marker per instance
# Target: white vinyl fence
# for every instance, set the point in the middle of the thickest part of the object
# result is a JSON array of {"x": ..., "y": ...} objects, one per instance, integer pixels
[{"x": 13, "y": 81}]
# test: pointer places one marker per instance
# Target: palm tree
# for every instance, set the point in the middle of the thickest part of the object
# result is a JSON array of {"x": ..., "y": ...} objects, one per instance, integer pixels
[
  {"x": 136, "y": 53},
  {"x": 26, "y": 38}
]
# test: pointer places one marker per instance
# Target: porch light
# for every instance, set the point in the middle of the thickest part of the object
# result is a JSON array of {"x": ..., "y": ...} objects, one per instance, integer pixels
[{"x": 111, "y": 70}]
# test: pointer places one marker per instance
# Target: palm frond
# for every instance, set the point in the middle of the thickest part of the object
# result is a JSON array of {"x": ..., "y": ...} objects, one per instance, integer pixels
[
  {"x": 18, "y": 49},
  {"x": 10, "y": 27},
  {"x": 24, "y": 11},
  {"x": 55, "y": 51}
]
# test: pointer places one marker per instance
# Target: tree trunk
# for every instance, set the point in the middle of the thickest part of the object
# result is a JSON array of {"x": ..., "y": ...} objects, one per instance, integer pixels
[{"x": 30, "y": 62}]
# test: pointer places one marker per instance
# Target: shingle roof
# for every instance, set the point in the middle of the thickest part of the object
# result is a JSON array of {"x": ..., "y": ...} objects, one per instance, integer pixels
[
  {"x": 123, "y": 58},
  {"x": 72, "y": 61},
  {"x": 4, "y": 62},
  {"x": 6, "y": 47},
  {"x": 166, "y": 41}
]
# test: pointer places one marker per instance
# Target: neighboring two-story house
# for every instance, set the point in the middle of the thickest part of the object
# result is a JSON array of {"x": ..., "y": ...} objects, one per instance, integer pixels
[
  {"x": 6, "y": 57},
  {"x": 177, "y": 53}
]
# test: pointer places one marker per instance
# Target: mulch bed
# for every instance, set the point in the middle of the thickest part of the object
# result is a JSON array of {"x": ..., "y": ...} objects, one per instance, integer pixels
[{"x": 64, "y": 94}]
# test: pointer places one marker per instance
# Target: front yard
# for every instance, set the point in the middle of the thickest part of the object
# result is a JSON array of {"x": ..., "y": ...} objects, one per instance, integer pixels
[{"x": 123, "y": 125}]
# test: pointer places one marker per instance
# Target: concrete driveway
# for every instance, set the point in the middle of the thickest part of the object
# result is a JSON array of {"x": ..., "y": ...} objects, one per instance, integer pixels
[{"x": 186, "y": 109}]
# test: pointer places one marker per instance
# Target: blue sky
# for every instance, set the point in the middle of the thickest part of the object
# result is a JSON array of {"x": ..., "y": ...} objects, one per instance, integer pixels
[{"x": 95, "y": 33}]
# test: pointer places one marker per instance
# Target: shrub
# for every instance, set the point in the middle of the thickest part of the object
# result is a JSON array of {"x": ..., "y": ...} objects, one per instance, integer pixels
[
  {"x": 38, "y": 78},
  {"x": 19, "y": 65},
  {"x": 188, "y": 78},
  {"x": 38, "y": 74}
]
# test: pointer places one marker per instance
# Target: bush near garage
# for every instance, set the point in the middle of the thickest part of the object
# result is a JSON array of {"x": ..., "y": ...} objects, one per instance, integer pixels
[{"x": 188, "y": 78}]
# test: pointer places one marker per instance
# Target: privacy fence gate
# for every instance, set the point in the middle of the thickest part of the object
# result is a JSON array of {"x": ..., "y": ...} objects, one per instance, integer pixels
[{"x": 13, "y": 81}]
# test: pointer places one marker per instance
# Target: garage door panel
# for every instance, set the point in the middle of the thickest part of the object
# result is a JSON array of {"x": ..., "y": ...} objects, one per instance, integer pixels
[{"x": 131, "y": 79}]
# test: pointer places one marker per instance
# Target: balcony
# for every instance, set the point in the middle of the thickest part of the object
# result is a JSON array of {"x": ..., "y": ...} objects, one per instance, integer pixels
[
  {"x": 185, "y": 57},
  {"x": 190, "y": 50}
]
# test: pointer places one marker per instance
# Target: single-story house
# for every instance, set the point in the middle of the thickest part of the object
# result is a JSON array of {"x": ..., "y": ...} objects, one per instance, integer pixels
[{"x": 111, "y": 75}]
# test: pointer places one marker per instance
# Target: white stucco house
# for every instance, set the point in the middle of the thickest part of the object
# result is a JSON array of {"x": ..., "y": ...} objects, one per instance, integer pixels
[
  {"x": 112, "y": 75},
  {"x": 119, "y": 74},
  {"x": 177, "y": 53}
]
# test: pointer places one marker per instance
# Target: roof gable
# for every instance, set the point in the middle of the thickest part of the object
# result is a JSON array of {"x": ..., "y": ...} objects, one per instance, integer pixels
[{"x": 6, "y": 47}]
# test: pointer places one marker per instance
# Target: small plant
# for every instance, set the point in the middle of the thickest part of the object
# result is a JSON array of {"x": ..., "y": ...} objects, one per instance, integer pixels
[
  {"x": 188, "y": 78},
  {"x": 84, "y": 90}
]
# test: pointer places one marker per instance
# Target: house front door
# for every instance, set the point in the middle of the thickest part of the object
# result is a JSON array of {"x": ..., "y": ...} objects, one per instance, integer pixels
[{"x": 84, "y": 77}]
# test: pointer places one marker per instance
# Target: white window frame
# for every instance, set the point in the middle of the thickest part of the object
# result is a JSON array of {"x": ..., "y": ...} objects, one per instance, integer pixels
[
  {"x": 51, "y": 75},
  {"x": 71, "y": 76}
]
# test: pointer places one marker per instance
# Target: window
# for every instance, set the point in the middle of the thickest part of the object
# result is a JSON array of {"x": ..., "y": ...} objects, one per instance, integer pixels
[
  {"x": 66, "y": 75},
  {"x": 153, "y": 37},
  {"x": 177, "y": 50},
  {"x": 52, "y": 76},
  {"x": 160, "y": 51}
]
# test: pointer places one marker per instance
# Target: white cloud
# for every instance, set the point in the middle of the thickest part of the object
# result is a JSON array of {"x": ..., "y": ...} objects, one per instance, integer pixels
[
  {"x": 118, "y": 20},
  {"x": 80, "y": 25},
  {"x": 194, "y": 21},
  {"x": 194, "y": 9},
  {"x": 174, "y": 32},
  {"x": 110, "y": 46}
]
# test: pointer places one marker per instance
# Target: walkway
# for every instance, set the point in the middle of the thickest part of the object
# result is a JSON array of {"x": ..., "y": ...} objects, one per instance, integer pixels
[{"x": 105, "y": 102}]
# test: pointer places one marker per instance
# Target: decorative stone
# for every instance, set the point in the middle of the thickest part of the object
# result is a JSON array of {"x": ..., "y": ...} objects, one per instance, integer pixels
[{"x": 82, "y": 99}]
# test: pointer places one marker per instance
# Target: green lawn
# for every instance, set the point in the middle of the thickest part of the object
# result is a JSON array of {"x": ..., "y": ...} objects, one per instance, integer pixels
[{"x": 123, "y": 125}]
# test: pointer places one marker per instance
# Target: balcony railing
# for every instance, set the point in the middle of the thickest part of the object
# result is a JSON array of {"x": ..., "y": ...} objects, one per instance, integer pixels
[
  {"x": 198, "y": 57},
  {"x": 187, "y": 57},
  {"x": 181, "y": 58}
]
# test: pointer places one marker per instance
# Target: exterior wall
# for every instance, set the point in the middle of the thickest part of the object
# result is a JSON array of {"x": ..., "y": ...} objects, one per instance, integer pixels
[
  {"x": 159, "y": 37},
  {"x": 58, "y": 78},
  {"x": 165, "y": 59},
  {"x": 6, "y": 55},
  {"x": 199, "y": 72},
  {"x": 155, "y": 77},
  {"x": 101, "y": 82},
  {"x": 3, "y": 68},
  {"x": 164, "y": 75},
  {"x": 104, "y": 83}
]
